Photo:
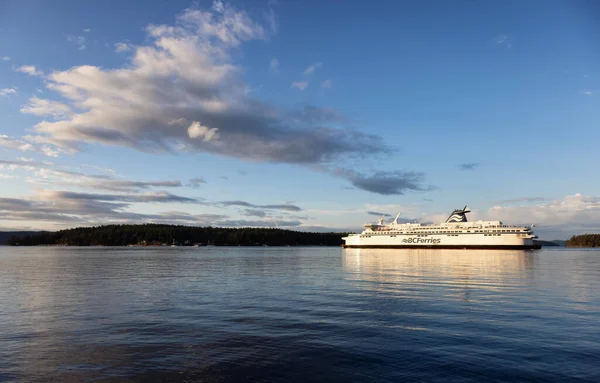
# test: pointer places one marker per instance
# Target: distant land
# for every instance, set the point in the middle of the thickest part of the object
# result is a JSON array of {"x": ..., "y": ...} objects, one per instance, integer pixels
[
  {"x": 554, "y": 242},
  {"x": 158, "y": 234},
  {"x": 5, "y": 236},
  {"x": 584, "y": 240}
]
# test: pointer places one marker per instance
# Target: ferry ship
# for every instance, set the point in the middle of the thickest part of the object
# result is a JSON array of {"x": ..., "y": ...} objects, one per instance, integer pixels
[{"x": 455, "y": 233}]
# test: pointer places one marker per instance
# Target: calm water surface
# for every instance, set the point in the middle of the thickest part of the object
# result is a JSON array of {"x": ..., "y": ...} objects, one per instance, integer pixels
[{"x": 298, "y": 314}]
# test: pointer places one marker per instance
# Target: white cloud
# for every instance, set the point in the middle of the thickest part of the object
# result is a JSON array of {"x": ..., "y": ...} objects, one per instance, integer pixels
[
  {"x": 77, "y": 40},
  {"x": 327, "y": 84},
  {"x": 272, "y": 17},
  {"x": 87, "y": 30},
  {"x": 300, "y": 85},
  {"x": 186, "y": 73},
  {"x": 77, "y": 208},
  {"x": 274, "y": 65},
  {"x": 312, "y": 68},
  {"x": 30, "y": 70},
  {"x": 503, "y": 40},
  {"x": 5, "y": 58},
  {"x": 587, "y": 92},
  {"x": 13, "y": 143},
  {"x": 196, "y": 130},
  {"x": 226, "y": 24},
  {"x": 105, "y": 170},
  {"x": 7, "y": 91},
  {"x": 46, "y": 173},
  {"x": 554, "y": 219},
  {"x": 53, "y": 209},
  {"x": 182, "y": 91},
  {"x": 249, "y": 90},
  {"x": 49, "y": 151},
  {"x": 23, "y": 146},
  {"x": 41, "y": 107},
  {"x": 122, "y": 47},
  {"x": 58, "y": 209},
  {"x": 521, "y": 201},
  {"x": 572, "y": 209}
]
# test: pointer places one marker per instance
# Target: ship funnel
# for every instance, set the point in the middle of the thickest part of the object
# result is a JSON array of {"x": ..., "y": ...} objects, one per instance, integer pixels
[{"x": 458, "y": 215}]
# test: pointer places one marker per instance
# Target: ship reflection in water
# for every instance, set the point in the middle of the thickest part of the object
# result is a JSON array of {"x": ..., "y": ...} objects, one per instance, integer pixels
[
  {"x": 305, "y": 314},
  {"x": 455, "y": 272}
]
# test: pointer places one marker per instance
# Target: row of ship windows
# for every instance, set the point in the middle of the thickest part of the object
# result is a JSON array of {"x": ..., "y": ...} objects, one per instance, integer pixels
[
  {"x": 448, "y": 235},
  {"x": 450, "y": 232},
  {"x": 511, "y": 228}
]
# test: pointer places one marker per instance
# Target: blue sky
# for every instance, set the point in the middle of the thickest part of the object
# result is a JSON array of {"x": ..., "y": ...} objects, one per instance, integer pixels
[{"x": 302, "y": 115}]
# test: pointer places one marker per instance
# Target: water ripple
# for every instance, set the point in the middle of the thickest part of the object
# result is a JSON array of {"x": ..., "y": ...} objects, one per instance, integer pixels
[{"x": 298, "y": 314}]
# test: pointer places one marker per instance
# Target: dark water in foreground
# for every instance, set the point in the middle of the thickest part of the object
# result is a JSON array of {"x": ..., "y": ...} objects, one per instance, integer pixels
[{"x": 298, "y": 315}]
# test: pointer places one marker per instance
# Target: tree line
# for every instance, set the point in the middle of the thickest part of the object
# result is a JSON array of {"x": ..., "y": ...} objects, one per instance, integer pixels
[
  {"x": 584, "y": 240},
  {"x": 159, "y": 234}
]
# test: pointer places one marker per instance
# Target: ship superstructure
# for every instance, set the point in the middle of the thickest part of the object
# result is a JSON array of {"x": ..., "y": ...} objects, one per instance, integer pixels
[{"x": 455, "y": 232}]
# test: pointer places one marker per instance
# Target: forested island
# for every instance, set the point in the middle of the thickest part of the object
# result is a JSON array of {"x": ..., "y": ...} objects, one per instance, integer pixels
[
  {"x": 158, "y": 234},
  {"x": 584, "y": 240},
  {"x": 6, "y": 236}
]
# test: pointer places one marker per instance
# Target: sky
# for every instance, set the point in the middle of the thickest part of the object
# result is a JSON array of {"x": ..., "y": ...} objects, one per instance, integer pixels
[{"x": 303, "y": 115}]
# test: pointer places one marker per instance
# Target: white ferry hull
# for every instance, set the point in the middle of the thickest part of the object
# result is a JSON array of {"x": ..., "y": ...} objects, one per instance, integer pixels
[
  {"x": 463, "y": 241},
  {"x": 464, "y": 246}
]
